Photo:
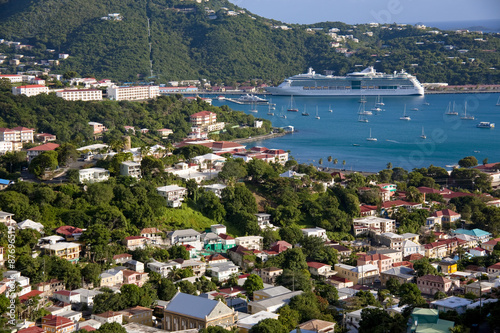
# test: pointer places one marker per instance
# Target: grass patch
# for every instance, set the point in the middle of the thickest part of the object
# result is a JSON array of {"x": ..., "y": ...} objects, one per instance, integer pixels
[{"x": 184, "y": 218}]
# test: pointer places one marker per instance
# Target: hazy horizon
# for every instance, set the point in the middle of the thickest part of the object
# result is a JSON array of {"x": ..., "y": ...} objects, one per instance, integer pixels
[{"x": 379, "y": 11}]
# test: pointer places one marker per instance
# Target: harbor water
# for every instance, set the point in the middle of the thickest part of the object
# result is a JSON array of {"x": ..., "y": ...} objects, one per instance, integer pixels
[{"x": 339, "y": 133}]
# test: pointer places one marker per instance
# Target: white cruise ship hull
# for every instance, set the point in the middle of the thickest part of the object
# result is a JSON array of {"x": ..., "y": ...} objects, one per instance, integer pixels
[
  {"x": 299, "y": 91},
  {"x": 365, "y": 83}
]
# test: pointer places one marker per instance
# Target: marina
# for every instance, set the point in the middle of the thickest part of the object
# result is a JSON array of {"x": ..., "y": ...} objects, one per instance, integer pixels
[{"x": 340, "y": 134}]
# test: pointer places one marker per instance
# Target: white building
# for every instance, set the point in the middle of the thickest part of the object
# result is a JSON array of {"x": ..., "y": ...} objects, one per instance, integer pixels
[
  {"x": 215, "y": 188},
  {"x": 173, "y": 193},
  {"x": 223, "y": 271},
  {"x": 67, "y": 296},
  {"x": 130, "y": 168},
  {"x": 93, "y": 175},
  {"x": 250, "y": 242},
  {"x": 133, "y": 93},
  {"x": 352, "y": 319},
  {"x": 80, "y": 94},
  {"x": 186, "y": 237},
  {"x": 5, "y": 146},
  {"x": 458, "y": 304},
  {"x": 315, "y": 232},
  {"x": 12, "y": 78},
  {"x": 30, "y": 90},
  {"x": 163, "y": 268},
  {"x": 373, "y": 223},
  {"x": 29, "y": 224},
  {"x": 410, "y": 247}
]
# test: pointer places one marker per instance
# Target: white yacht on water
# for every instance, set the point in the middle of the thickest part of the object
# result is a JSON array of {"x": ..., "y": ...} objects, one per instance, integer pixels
[
  {"x": 370, "y": 138},
  {"x": 365, "y": 83}
]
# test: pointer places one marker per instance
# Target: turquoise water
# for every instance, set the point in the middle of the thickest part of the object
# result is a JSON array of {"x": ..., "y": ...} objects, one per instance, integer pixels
[{"x": 448, "y": 137}]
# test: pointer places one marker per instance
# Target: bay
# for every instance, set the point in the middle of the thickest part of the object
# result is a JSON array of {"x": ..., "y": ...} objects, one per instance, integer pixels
[{"x": 449, "y": 138}]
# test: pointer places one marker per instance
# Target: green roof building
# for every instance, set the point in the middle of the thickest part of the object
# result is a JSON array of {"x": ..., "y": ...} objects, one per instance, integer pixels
[{"x": 427, "y": 321}]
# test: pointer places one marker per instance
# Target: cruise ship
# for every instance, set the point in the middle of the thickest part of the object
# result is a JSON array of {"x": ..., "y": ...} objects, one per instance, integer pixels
[{"x": 365, "y": 83}]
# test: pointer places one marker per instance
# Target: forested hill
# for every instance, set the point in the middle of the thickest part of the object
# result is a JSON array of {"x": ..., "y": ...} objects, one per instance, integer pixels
[{"x": 221, "y": 42}]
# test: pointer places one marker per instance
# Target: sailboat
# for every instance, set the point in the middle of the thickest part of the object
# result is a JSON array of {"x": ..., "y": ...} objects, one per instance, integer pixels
[
  {"x": 376, "y": 107},
  {"x": 451, "y": 111},
  {"x": 330, "y": 108},
  {"x": 426, "y": 103},
  {"x": 379, "y": 101},
  {"x": 282, "y": 115},
  {"x": 317, "y": 116},
  {"x": 362, "y": 111},
  {"x": 405, "y": 117},
  {"x": 305, "y": 112},
  {"x": 253, "y": 109},
  {"x": 498, "y": 101},
  {"x": 362, "y": 119},
  {"x": 370, "y": 138},
  {"x": 269, "y": 113},
  {"x": 423, "y": 136},
  {"x": 292, "y": 109},
  {"x": 465, "y": 116}
]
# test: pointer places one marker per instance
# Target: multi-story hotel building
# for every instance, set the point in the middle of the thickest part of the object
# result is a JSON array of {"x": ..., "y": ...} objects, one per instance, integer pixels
[
  {"x": 80, "y": 94},
  {"x": 203, "y": 118},
  {"x": 12, "y": 78},
  {"x": 133, "y": 93},
  {"x": 30, "y": 90}
]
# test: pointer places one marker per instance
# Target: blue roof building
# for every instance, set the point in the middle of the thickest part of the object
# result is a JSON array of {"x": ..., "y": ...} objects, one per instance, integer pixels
[{"x": 478, "y": 234}]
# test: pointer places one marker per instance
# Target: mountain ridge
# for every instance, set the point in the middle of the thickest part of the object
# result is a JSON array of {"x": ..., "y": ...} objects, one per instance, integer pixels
[{"x": 188, "y": 42}]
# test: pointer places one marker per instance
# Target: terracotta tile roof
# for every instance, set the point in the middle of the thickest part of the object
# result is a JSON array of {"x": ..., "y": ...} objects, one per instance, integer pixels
[
  {"x": 56, "y": 321},
  {"x": 226, "y": 237},
  {"x": 66, "y": 293},
  {"x": 202, "y": 114},
  {"x": 31, "y": 86},
  {"x": 134, "y": 237},
  {"x": 414, "y": 257},
  {"x": 434, "y": 278},
  {"x": 45, "y": 147},
  {"x": 316, "y": 265},
  {"x": 495, "y": 266},
  {"x": 87, "y": 328},
  {"x": 478, "y": 249},
  {"x": 68, "y": 230},
  {"x": 339, "y": 279},
  {"x": 32, "y": 293}
]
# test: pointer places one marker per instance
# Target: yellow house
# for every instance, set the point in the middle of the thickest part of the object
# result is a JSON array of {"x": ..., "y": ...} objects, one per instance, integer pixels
[
  {"x": 64, "y": 250},
  {"x": 448, "y": 267}
]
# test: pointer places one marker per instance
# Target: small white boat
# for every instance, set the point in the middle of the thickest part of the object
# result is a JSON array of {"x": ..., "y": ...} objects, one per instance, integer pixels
[
  {"x": 221, "y": 97},
  {"x": 330, "y": 108},
  {"x": 376, "y": 109},
  {"x": 253, "y": 109},
  {"x": 305, "y": 113},
  {"x": 414, "y": 109},
  {"x": 362, "y": 111},
  {"x": 485, "y": 124},
  {"x": 317, "y": 116},
  {"x": 370, "y": 138},
  {"x": 423, "y": 136},
  {"x": 405, "y": 117},
  {"x": 498, "y": 101}
]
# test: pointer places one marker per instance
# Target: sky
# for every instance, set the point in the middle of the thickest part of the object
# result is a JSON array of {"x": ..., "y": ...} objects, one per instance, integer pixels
[{"x": 366, "y": 11}]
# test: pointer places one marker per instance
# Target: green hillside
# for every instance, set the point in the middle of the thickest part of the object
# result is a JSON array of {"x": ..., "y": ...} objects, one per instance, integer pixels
[{"x": 191, "y": 41}]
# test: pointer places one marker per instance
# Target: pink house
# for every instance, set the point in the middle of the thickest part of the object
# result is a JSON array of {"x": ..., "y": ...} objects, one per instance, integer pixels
[
  {"x": 97, "y": 127},
  {"x": 431, "y": 284},
  {"x": 382, "y": 261},
  {"x": 133, "y": 277}
]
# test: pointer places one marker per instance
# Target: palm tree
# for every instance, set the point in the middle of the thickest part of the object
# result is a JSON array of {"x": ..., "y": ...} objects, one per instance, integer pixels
[
  {"x": 329, "y": 159},
  {"x": 335, "y": 161},
  {"x": 343, "y": 163},
  {"x": 320, "y": 161},
  {"x": 389, "y": 165}
]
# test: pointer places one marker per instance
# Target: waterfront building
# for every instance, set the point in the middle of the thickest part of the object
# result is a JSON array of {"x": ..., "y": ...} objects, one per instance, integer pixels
[
  {"x": 30, "y": 90},
  {"x": 133, "y": 93},
  {"x": 80, "y": 94}
]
